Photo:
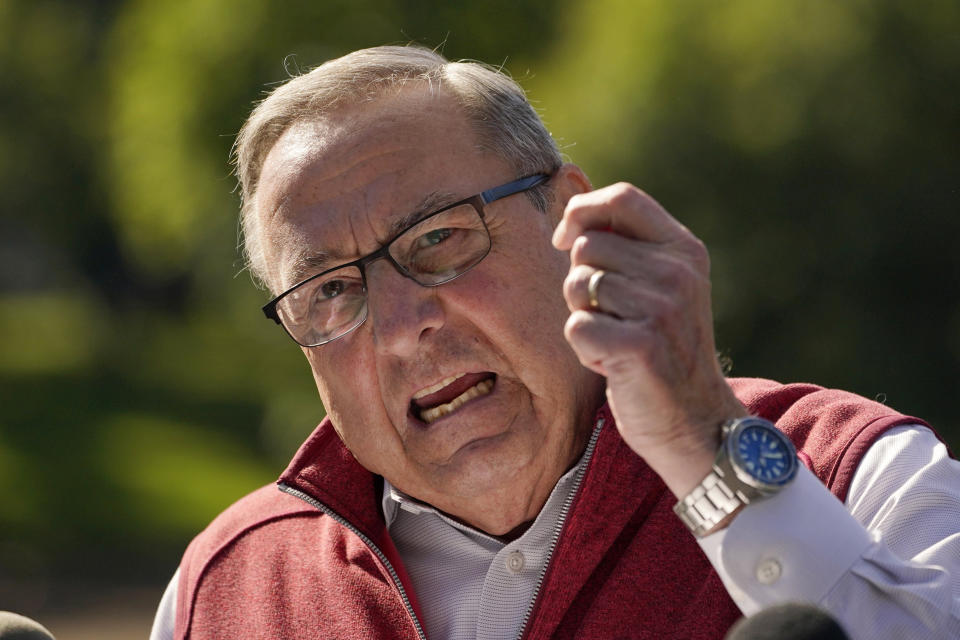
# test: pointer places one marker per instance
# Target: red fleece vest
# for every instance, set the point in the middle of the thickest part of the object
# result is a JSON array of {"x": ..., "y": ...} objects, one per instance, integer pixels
[{"x": 273, "y": 566}]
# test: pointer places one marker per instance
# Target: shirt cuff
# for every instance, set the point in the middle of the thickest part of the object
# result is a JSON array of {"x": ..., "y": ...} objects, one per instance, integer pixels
[{"x": 793, "y": 546}]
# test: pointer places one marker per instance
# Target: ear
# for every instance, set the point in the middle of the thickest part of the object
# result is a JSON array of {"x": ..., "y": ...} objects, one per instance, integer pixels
[{"x": 567, "y": 181}]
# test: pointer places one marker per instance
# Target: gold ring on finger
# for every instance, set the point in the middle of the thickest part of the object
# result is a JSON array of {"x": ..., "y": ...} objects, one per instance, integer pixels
[{"x": 593, "y": 287}]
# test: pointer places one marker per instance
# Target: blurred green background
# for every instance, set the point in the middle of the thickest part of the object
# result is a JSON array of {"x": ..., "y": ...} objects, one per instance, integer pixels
[{"x": 812, "y": 144}]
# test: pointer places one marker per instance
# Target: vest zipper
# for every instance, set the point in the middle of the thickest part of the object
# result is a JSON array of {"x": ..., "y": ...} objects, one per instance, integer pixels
[
  {"x": 558, "y": 527},
  {"x": 367, "y": 541}
]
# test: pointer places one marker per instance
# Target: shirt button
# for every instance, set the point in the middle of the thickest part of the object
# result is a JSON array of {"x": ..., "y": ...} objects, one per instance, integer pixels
[
  {"x": 515, "y": 562},
  {"x": 768, "y": 571}
]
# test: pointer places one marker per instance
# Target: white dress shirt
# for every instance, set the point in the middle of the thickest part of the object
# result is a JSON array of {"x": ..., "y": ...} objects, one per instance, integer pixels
[
  {"x": 471, "y": 584},
  {"x": 892, "y": 570},
  {"x": 886, "y": 564}
]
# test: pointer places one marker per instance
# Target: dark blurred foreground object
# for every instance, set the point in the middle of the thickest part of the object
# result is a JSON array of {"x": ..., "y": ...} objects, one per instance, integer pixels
[
  {"x": 789, "y": 621},
  {"x": 13, "y": 626}
]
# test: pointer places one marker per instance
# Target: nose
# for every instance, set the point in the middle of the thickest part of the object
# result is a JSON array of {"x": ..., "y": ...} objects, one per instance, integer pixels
[{"x": 400, "y": 311}]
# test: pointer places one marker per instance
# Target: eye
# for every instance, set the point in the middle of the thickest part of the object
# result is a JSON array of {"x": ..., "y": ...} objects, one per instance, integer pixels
[
  {"x": 332, "y": 288},
  {"x": 434, "y": 237}
]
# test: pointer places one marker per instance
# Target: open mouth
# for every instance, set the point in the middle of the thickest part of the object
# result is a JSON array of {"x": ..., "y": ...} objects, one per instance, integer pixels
[{"x": 448, "y": 395}]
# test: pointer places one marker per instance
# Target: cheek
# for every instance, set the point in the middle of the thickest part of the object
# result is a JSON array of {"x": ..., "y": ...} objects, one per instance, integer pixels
[
  {"x": 348, "y": 390},
  {"x": 519, "y": 305},
  {"x": 539, "y": 294},
  {"x": 320, "y": 368}
]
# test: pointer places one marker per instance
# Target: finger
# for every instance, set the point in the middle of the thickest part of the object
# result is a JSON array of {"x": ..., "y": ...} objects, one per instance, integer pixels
[
  {"x": 603, "y": 343},
  {"x": 620, "y": 296},
  {"x": 605, "y": 250},
  {"x": 582, "y": 330},
  {"x": 614, "y": 252},
  {"x": 628, "y": 276},
  {"x": 621, "y": 208},
  {"x": 576, "y": 288},
  {"x": 645, "y": 337}
]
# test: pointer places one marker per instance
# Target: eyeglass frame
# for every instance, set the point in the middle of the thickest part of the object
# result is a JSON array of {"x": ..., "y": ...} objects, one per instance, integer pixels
[{"x": 477, "y": 201}]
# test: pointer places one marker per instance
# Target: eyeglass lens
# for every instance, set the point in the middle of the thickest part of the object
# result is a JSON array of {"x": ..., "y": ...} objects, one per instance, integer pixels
[{"x": 435, "y": 250}]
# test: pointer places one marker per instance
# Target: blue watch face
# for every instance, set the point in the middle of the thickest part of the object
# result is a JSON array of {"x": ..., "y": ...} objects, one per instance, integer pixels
[{"x": 767, "y": 456}]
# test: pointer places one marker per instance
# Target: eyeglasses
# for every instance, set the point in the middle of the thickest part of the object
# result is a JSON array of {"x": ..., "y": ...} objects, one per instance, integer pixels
[{"x": 434, "y": 250}]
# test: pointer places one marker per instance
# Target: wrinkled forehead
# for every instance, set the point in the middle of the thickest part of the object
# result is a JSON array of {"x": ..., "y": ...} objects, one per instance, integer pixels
[
  {"x": 336, "y": 185},
  {"x": 350, "y": 146}
]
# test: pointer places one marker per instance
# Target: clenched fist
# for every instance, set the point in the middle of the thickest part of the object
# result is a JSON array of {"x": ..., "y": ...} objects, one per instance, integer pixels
[{"x": 639, "y": 295}]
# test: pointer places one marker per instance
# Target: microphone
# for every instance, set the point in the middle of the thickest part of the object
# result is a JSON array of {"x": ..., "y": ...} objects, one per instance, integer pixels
[
  {"x": 788, "y": 621},
  {"x": 13, "y": 626}
]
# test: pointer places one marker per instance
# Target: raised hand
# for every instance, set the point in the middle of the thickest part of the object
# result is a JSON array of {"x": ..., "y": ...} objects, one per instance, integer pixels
[{"x": 646, "y": 325}]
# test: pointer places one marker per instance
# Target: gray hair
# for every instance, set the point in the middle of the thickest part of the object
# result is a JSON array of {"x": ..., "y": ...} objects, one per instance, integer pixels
[{"x": 494, "y": 104}]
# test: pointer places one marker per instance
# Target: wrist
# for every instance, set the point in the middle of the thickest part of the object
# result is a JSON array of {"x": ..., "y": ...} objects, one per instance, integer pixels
[
  {"x": 755, "y": 460},
  {"x": 684, "y": 461}
]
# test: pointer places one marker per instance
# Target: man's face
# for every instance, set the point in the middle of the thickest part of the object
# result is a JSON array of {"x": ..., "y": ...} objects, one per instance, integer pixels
[{"x": 336, "y": 188}]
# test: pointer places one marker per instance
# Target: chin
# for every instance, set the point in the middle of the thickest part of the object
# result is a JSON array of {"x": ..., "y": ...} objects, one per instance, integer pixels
[{"x": 487, "y": 474}]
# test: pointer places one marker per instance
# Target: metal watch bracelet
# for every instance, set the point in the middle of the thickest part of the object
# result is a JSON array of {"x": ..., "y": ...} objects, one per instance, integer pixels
[{"x": 709, "y": 506}]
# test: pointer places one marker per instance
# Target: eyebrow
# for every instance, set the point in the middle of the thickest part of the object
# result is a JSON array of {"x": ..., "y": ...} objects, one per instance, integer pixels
[
  {"x": 430, "y": 204},
  {"x": 322, "y": 260},
  {"x": 314, "y": 263}
]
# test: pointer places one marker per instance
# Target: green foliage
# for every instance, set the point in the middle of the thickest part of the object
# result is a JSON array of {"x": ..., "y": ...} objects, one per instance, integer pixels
[
  {"x": 157, "y": 499},
  {"x": 812, "y": 145},
  {"x": 167, "y": 166},
  {"x": 47, "y": 332}
]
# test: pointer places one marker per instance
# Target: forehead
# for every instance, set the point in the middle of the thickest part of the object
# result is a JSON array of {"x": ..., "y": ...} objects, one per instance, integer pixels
[{"x": 335, "y": 187}]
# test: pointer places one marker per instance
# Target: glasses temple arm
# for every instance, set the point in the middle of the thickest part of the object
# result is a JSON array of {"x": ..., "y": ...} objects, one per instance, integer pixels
[{"x": 511, "y": 188}]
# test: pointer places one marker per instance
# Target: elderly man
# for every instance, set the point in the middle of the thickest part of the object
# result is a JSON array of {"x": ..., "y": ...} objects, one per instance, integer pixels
[{"x": 528, "y": 433}]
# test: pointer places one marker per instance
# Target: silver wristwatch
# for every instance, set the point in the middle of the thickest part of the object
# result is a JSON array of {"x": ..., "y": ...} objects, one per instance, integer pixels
[{"x": 754, "y": 460}]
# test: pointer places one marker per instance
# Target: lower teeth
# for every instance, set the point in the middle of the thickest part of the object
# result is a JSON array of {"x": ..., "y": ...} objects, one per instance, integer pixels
[{"x": 482, "y": 388}]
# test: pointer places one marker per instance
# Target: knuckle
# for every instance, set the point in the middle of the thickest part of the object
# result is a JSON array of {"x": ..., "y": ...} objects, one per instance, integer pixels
[
  {"x": 576, "y": 325},
  {"x": 576, "y": 200},
  {"x": 577, "y": 206},
  {"x": 580, "y": 249},
  {"x": 624, "y": 194},
  {"x": 625, "y": 363},
  {"x": 699, "y": 252},
  {"x": 570, "y": 286},
  {"x": 575, "y": 284}
]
